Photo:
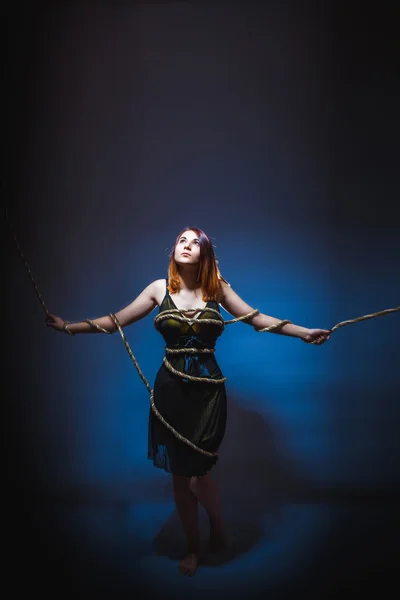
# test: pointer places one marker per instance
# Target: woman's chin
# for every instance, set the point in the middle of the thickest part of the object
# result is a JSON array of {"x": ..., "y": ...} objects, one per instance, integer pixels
[{"x": 186, "y": 263}]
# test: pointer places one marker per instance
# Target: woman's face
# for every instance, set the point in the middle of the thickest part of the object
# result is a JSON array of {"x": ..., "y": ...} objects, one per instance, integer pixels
[{"x": 187, "y": 250}]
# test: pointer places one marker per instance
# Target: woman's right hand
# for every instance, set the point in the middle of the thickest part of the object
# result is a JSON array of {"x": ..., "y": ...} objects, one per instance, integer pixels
[{"x": 55, "y": 322}]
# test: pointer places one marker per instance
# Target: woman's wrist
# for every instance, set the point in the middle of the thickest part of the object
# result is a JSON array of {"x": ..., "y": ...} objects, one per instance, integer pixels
[
  {"x": 302, "y": 332},
  {"x": 295, "y": 331},
  {"x": 66, "y": 328}
]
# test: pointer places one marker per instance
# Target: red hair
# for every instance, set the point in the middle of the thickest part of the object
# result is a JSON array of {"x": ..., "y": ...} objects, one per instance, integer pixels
[{"x": 209, "y": 275}]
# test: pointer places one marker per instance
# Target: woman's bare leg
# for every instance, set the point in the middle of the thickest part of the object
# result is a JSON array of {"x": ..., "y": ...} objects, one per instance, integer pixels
[
  {"x": 187, "y": 507},
  {"x": 208, "y": 494}
]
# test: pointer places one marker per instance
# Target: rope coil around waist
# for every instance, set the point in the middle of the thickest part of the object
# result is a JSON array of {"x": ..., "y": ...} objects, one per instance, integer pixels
[{"x": 186, "y": 376}]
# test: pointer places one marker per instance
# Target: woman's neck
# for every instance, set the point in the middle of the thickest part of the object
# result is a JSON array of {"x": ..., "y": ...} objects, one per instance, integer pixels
[{"x": 188, "y": 278}]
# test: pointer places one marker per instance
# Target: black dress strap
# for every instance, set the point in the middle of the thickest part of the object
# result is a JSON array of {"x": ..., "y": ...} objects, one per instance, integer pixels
[{"x": 165, "y": 295}]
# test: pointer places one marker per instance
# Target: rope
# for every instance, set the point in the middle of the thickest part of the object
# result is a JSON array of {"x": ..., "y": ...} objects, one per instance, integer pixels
[
  {"x": 29, "y": 273},
  {"x": 179, "y": 316},
  {"x": 365, "y": 317}
]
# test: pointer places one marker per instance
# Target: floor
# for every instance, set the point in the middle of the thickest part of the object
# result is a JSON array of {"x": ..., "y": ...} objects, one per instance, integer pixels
[{"x": 126, "y": 541}]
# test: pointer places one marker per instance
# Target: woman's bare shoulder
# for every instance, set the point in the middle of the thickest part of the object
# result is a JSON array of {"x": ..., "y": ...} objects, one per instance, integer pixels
[
  {"x": 224, "y": 286},
  {"x": 159, "y": 282},
  {"x": 158, "y": 288}
]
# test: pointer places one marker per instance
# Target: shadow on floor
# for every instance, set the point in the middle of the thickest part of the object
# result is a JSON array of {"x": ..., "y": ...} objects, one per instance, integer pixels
[{"x": 255, "y": 476}]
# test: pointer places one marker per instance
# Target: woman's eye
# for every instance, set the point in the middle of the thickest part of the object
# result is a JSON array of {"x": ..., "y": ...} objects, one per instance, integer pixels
[{"x": 194, "y": 242}]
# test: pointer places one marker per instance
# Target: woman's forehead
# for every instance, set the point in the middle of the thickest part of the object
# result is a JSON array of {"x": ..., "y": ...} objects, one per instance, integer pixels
[{"x": 189, "y": 233}]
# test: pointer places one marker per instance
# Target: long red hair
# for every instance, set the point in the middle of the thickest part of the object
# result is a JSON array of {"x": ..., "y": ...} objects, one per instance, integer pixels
[{"x": 209, "y": 276}]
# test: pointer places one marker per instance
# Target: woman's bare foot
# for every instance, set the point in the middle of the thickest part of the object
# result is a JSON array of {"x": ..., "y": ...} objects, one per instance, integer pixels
[{"x": 189, "y": 564}]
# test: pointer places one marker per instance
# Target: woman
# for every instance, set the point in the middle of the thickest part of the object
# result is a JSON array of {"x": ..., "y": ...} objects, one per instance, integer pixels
[{"x": 187, "y": 423}]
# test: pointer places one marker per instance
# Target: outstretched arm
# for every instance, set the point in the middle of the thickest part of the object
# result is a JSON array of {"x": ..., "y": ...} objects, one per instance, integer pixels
[
  {"x": 237, "y": 307},
  {"x": 141, "y": 306}
]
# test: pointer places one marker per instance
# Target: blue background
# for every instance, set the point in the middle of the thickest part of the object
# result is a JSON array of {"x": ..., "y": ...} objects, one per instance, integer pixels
[{"x": 273, "y": 128}]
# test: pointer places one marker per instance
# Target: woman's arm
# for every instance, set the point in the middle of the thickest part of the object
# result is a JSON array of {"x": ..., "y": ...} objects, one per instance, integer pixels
[
  {"x": 141, "y": 306},
  {"x": 237, "y": 307}
]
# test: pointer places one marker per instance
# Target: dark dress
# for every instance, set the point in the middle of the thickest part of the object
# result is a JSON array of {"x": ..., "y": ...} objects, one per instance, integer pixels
[{"x": 197, "y": 410}]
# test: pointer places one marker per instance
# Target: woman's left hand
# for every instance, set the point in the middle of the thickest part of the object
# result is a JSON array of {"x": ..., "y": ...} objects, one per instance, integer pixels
[{"x": 316, "y": 336}]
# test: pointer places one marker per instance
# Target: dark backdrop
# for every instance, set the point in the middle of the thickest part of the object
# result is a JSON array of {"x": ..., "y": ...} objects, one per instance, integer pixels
[{"x": 274, "y": 127}]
